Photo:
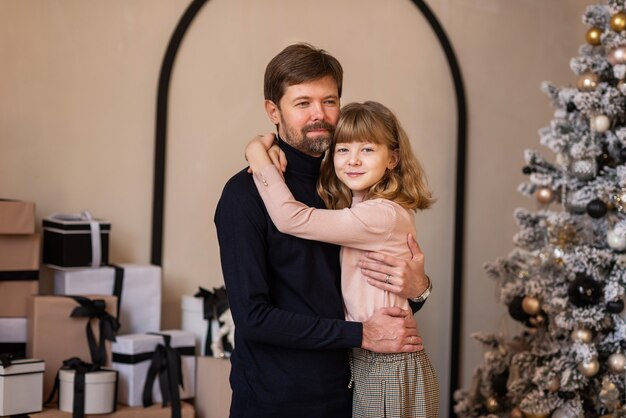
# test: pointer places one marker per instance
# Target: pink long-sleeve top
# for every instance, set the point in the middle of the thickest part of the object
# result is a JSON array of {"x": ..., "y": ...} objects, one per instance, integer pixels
[{"x": 378, "y": 225}]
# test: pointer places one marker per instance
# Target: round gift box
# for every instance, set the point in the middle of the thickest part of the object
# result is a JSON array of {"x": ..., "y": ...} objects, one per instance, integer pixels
[{"x": 100, "y": 388}]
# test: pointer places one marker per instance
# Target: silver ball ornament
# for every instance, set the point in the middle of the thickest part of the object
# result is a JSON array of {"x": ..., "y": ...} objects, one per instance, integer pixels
[
  {"x": 561, "y": 413},
  {"x": 589, "y": 368},
  {"x": 617, "y": 55},
  {"x": 616, "y": 240},
  {"x": 581, "y": 335},
  {"x": 584, "y": 169},
  {"x": 617, "y": 362}
]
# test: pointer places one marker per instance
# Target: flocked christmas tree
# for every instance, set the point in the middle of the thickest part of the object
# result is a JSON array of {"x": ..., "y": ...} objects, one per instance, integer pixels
[{"x": 565, "y": 280}]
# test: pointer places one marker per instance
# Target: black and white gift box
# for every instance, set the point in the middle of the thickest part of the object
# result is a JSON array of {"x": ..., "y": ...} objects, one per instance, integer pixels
[
  {"x": 13, "y": 335},
  {"x": 75, "y": 240},
  {"x": 133, "y": 356},
  {"x": 21, "y": 386}
]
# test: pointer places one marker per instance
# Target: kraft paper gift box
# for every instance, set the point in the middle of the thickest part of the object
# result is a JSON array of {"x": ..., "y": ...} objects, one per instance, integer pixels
[
  {"x": 154, "y": 411},
  {"x": 100, "y": 391},
  {"x": 21, "y": 387},
  {"x": 132, "y": 357},
  {"x": 75, "y": 240},
  {"x": 139, "y": 292},
  {"x": 55, "y": 336},
  {"x": 13, "y": 336},
  {"x": 17, "y": 217},
  {"x": 212, "y": 381},
  {"x": 19, "y": 252},
  {"x": 16, "y": 287}
]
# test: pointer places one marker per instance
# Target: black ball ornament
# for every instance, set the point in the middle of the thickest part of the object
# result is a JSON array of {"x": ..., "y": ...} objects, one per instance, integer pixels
[
  {"x": 516, "y": 311},
  {"x": 584, "y": 291},
  {"x": 615, "y": 306},
  {"x": 527, "y": 170},
  {"x": 597, "y": 208}
]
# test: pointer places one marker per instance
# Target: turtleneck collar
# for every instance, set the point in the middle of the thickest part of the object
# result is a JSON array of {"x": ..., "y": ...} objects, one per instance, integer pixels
[{"x": 299, "y": 162}]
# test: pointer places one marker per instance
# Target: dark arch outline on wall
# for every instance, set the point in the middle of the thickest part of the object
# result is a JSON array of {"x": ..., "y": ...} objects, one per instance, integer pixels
[{"x": 459, "y": 89}]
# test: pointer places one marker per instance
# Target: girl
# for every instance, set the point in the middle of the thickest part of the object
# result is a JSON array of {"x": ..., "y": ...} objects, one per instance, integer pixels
[{"x": 371, "y": 175}]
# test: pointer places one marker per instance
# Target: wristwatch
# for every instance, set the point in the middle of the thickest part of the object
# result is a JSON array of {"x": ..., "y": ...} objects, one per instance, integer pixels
[{"x": 426, "y": 293}]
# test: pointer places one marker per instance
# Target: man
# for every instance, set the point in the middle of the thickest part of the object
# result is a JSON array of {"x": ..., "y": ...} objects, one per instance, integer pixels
[{"x": 291, "y": 341}]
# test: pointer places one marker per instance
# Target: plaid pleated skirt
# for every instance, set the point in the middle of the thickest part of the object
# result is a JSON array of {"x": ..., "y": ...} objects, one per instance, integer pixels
[{"x": 400, "y": 385}]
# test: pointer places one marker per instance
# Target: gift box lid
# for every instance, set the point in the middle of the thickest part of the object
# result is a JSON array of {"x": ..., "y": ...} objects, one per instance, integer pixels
[
  {"x": 146, "y": 343},
  {"x": 99, "y": 377},
  {"x": 23, "y": 366},
  {"x": 192, "y": 304},
  {"x": 69, "y": 224}
]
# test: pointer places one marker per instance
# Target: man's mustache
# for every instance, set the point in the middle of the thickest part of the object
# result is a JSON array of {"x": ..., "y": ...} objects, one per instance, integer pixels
[{"x": 319, "y": 125}]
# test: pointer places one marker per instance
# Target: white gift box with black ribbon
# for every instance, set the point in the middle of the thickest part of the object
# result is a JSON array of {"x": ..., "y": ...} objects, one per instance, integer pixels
[
  {"x": 99, "y": 391},
  {"x": 75, "y": 240},
  {"x": 192, "y": 320},
  {"x": 21, "y": 386},
  {"x": 138, "y": 288},
  {"x": 134, "y": 355}
]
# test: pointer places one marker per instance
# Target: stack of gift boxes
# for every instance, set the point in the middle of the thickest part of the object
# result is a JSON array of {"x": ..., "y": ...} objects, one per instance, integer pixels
[{"x": 80, "y": 336}]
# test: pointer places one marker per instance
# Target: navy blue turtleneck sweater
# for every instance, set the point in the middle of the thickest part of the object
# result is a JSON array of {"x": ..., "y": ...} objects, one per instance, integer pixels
[{"x": 290, "y": 357}]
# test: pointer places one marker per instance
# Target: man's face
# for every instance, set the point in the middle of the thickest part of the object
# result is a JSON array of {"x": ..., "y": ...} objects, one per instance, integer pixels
[{"x": 307, "y": 115}]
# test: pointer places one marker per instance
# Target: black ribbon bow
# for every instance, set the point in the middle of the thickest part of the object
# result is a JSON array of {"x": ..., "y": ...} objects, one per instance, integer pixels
[
  {"x": 215, "y": 303},
  {"x": 166, "y": 363},
  {"x": 80, "y": 368},
  {"x": 6, "y": 359},
  {"x": 108, "y": 325}
]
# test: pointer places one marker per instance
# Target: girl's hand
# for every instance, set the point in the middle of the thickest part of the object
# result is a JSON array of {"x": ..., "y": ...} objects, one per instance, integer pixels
[
  {"x": 405, "y": 278},
  {"x": 257, "y": 152},
  {"x": 278, "y": 157}
]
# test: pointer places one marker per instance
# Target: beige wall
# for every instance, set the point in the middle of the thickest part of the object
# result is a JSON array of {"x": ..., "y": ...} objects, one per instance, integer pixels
[{"x": 77, "y": 103}]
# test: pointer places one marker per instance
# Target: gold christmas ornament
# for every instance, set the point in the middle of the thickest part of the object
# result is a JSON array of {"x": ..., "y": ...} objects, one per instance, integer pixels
[
  {"x": 531, "y": 305},
  {"x": 581, "y": 335},
  {"x": 617, "y": 55},
  {"x": 492, "y": 405},
  {"x": 593, "y": 36},
  {"x": 587, "y": 81},
  {"x": 544, "y": 195},
  {"x": 554, "y": 385},
  {"x": 516, "y": 413},
  {"x": 609, "y": 394},
  {"x": 620, "y": 85},
  {"x": 619, "y": 200},
  {"x": 589, "y": 368},
  {"x": 618, "y": 22}
]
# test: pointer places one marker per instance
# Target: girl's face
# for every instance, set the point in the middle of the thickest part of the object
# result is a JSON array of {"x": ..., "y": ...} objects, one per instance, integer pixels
[{"x": 360, "y": 165}]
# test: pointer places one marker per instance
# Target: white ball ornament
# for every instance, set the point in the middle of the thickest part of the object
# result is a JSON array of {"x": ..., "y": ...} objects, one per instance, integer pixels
[
  {"x": 600, "y": 123},
  {"x": 617, "y": 362},
  {"x": 616, "y": 240}
]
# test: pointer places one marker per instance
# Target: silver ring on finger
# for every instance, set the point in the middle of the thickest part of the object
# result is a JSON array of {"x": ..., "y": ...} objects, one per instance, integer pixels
[{"x": 387, "y": 279}]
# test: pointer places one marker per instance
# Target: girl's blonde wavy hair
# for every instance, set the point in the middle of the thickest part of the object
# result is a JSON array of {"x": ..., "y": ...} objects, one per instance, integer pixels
[{"x": 371, "y": 122}]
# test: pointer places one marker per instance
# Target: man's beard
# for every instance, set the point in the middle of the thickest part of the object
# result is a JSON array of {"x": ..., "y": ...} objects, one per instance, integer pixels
[{"x": 315, "y": 145}]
